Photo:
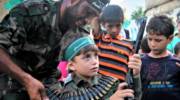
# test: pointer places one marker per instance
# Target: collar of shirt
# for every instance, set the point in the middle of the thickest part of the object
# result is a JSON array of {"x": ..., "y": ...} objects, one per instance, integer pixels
[
  {"x": 79, "y": 80},
  {"x": 108, "y": 36}
]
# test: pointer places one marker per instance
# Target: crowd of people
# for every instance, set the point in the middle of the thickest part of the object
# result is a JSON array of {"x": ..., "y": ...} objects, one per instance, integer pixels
[{"x": 36, "y": 35}]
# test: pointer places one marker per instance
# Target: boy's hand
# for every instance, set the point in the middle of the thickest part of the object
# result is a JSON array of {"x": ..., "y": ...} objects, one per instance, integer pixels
[
  {"x": 122, "y": 93},
  {"x": 178, "y": 64},
  {"x": 135, "y": 64}
]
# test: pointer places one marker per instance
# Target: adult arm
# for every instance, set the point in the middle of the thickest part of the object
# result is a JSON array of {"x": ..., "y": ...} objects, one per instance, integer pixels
[
  {"x": 11, "y": 31},
  {"x": 34, "y": 87}
]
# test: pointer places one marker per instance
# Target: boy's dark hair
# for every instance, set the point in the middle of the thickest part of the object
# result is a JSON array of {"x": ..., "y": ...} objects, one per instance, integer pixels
[
  {"x": 112, "y": 13},
  {"x": 177, "y": 48},
  {"x": 70, "y": 37},
  {"x": 160, "y": 25},
  {"x": 144, "y": 46}
]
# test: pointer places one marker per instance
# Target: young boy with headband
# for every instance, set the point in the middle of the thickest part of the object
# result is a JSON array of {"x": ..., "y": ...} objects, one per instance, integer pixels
[{"x": 84, "y": 82}]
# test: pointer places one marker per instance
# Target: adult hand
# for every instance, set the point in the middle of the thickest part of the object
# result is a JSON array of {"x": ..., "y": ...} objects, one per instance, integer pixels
[
  {"x": 95, "y": 25},
  {"x": 121, "y": 93},
  {"x": 35, "y": 89},
  {"x": 135, "y": 63}
]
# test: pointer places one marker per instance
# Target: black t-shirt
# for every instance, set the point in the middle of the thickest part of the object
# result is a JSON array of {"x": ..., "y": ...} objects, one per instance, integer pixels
[{"x": 160, "y": 78}]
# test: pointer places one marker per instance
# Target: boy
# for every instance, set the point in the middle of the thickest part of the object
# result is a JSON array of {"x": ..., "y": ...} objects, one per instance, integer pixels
[
  {"x": 114, "y": 50},
  {"x": 160, "y": 74},
  {"x": 84, "y": 82}
]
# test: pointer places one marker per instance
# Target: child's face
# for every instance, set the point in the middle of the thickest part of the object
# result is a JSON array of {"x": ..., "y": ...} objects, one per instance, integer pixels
[
  {"x": 86, "y": 65},
  {"x": 113, "y": 28},
  {"x": 157, "y": 43}
]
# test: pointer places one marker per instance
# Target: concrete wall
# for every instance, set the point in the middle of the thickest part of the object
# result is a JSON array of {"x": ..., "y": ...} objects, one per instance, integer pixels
[
  {"x": 152, "y": 3},
  {"x": 161, "y": 8}
]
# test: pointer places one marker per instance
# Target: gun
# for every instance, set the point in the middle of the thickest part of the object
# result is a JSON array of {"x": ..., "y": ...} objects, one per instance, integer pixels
[{"x": 130, "y": 79}]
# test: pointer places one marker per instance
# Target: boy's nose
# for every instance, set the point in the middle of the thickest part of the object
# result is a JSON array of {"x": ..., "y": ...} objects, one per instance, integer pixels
[
  {"x": 115, "y": 29},
  {"x": 153, "y": 44},
  {"x": 95, "y": 60}
]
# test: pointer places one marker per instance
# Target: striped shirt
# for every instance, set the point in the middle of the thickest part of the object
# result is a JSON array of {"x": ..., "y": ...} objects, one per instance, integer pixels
[{"x": 114, "y": 55}]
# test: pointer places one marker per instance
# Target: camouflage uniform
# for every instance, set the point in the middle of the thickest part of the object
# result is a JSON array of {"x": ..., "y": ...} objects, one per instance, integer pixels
[{"x": 30, "y": 34}]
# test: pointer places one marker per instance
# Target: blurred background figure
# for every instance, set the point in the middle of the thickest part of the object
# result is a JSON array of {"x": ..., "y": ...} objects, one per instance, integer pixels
[
  {"x": 177, "y": 50},
  {"x": 176, "y": 38}
]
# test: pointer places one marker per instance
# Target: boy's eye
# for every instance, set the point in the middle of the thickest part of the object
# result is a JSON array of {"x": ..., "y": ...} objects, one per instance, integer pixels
[
  {"x": 87, "y": 55},
  {"x": 157, "y": 40},
  {"x": 96, "y": 54},
  {"x": 114, "y": 25},
  {"x": 149, "y": 39}
]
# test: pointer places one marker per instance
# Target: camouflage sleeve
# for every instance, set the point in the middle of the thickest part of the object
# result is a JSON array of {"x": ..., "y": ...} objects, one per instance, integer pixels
[{"x": 12, "y": 31}]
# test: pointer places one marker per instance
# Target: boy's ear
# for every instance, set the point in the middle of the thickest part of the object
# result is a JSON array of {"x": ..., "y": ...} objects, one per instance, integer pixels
[
  {"x": 170, "y": 38},
  {"x": 71, "y": 65}
]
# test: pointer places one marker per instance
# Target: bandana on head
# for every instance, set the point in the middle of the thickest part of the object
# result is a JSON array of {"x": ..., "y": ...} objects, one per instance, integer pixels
[{"x": 76, "y": 46}]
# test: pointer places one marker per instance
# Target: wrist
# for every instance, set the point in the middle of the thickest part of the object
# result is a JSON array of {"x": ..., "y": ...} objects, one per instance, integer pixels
[
  {"x": 137, "y": 75},
  {"x": 26, "y": 80}
]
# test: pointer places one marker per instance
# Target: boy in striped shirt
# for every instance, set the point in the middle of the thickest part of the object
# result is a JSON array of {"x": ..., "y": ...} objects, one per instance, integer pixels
[{"x": 115, "y": 50}]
